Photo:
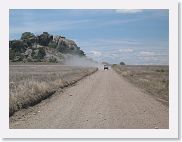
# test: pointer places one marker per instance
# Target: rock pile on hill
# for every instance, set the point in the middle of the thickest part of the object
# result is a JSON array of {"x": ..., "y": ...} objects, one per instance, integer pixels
[{"x": 44, "y": 47}]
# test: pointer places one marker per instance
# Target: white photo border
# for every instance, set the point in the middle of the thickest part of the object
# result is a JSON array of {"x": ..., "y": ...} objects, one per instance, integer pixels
[{"x": 172, "y": 132}]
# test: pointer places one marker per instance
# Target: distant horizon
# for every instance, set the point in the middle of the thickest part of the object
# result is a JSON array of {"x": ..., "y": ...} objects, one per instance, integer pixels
[{"x": 136, "y": 37}]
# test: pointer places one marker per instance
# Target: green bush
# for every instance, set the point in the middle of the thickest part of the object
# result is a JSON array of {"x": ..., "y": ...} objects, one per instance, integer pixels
[
  {"x": 29, "y": 59},
  {"x": 122, "y": 63},
  {"x": 41, "y": 53},
  {"x": 16, "y": 48},
  {"x": 28, "y": 38},
  {"x": 52, "y": 45},
  {"x": 160, "y": 70},
  {"x": 11, "y": 54},
  {"x": 63, "y": 48},
  {"x": 17, "y": 45},
  {"x": 38, "y": 54},
  {"x": 27, "y": 35},
  {"x": 53, "y": 59}
]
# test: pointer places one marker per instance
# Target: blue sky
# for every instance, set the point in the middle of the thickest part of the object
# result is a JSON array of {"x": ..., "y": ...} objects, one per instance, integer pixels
[{"x": 134, "y": 36}]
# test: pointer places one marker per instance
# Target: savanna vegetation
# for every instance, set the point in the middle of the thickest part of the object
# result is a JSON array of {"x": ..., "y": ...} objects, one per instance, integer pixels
[
  {"x": 30, "y": 84},
  {"x": 152, "y": 79}
]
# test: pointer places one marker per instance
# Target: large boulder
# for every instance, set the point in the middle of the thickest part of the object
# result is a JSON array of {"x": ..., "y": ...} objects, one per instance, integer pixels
[
  {"x": 63, "y": 43},
  {"x": 44, "y": 39},
  {"x": 28, "y": 53},
  {"x": 67, "y": 46}
]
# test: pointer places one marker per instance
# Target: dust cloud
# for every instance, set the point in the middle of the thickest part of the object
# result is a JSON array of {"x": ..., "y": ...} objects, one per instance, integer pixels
[{"x": 74, "y": 60}]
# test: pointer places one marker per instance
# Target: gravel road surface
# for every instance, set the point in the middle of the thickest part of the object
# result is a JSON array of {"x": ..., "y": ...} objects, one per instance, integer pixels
[{"x": 103, "y": 100}]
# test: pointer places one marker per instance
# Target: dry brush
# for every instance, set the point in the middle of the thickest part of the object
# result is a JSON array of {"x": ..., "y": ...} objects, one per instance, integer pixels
[{"x": 29, "y": 85}]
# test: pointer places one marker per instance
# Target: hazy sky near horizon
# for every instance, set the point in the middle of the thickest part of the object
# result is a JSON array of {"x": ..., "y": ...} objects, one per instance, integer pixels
[{"x": 133, "y": 36}]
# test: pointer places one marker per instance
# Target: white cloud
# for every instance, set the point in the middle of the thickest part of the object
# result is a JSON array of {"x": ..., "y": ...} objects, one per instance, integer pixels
[
  {"x": 109, "y": 43},
  {"x": 96, "y": 53},
  {"x": 144, "y": 53},
  {"x": 115, "y": 55},
  {"x": 158, "y": 57},
  {"x": 131, "y": 51},
  {"x": 126, "y": 50},
  {"x": 129, "y": 11}
]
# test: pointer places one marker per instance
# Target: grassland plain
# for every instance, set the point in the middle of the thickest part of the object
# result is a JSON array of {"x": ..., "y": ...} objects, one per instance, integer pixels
[
  {"x": 104, "y": 100},
  {"x": 153, "y": 79},
  {"x": 30, "y": 84}
]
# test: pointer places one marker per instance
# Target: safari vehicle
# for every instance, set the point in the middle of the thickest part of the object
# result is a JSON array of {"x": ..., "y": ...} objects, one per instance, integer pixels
[{"x": 106, "y": 67}]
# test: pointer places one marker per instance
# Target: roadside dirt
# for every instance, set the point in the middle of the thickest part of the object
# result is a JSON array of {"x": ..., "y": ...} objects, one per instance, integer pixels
[{"x": 103, "y": 100}]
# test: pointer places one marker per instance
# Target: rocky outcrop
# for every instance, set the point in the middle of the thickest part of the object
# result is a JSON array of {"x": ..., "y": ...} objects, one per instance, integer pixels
[
  {"x": 43, "y": 47},
  {"x": 62, "y": 41},
  {"x": 67, "y": 46},
  {"x": 44, "y": 39}
]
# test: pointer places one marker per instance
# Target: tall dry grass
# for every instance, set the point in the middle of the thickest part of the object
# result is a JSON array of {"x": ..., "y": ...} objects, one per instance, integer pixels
[
  {"x": 29, "y": 85},
  {"x": 153, "y": 79}
]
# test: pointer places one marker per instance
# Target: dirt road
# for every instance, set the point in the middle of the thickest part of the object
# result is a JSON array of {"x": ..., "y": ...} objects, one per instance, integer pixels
[{"x": 102, "y": 100}]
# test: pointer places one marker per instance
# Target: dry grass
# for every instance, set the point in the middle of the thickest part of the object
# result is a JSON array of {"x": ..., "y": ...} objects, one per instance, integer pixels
[
  {"x": 152, "y": 79},
  {"x": 30, "y": 84}
]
